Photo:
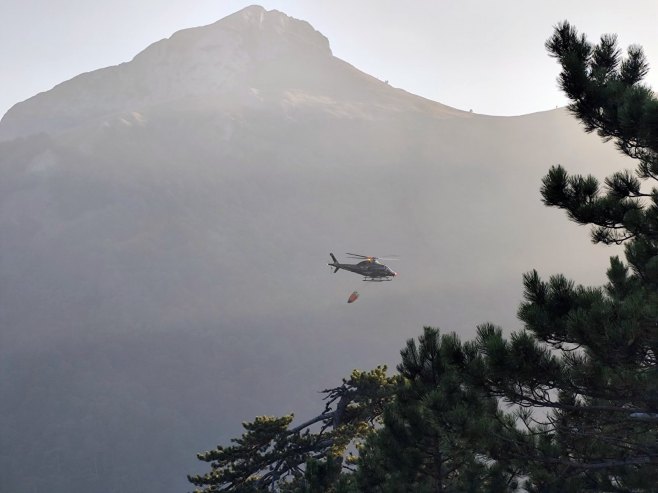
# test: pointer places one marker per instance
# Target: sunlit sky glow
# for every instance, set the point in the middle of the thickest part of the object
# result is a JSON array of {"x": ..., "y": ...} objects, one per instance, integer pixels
[{"x": 480, "y": 55}]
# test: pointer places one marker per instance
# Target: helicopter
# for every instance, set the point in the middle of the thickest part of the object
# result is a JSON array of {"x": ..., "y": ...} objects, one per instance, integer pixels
[{"x": 369, "y": 267}]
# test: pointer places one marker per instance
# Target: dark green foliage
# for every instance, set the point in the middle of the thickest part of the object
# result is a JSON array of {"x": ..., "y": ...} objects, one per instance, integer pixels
[
  {"x": 322, "y": 476},
  {"x": 607, "y": 96},
  {"x": 438, "y": 431},
  {"x": 589, "y": 355}
]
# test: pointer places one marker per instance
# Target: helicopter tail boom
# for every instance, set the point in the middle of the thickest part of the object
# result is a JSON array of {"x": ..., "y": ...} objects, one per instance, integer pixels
[{"x": 334, "y": 263}]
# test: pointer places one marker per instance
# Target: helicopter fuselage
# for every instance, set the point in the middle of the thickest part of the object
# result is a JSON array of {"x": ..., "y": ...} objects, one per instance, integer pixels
[{"x": 371, "y": 270}]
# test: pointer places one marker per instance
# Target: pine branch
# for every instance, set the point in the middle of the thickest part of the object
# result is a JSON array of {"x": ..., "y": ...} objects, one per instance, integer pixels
[{"x": 606, "y": 464}]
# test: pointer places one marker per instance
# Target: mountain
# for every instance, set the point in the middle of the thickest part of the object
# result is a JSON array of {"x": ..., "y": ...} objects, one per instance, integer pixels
[
  {"x": 165, "y": 226},
  {"x": 250, "y": 58}
]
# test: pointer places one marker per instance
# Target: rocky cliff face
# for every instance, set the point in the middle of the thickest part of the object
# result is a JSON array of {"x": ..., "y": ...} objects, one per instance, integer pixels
[{"x": 165, "y": 227}]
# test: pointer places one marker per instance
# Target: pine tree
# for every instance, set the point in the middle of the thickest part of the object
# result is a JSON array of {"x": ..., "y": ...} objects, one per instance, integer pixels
[
  {"x": 437, "y": 431},
  {"x": 272, "y": 456},
  {"x": 589, "y": 355}
]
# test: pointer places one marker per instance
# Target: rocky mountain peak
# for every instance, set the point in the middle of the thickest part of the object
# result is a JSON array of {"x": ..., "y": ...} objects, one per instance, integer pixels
[
  {"x": 238, "y": 52},
  {"x": 253, "y": 32}
]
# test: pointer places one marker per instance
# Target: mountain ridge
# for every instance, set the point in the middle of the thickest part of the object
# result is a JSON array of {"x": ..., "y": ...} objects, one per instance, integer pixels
[{"x": 253, "y": 56}]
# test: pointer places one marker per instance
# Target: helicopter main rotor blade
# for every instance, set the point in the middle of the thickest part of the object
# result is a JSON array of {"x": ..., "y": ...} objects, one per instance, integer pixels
[
  {"x": 389, "y": 257},
  {"x": 359, "y": 256}
]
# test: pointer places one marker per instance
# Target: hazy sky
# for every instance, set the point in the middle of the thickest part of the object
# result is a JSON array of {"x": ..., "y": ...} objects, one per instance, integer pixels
[{"x": 484, "y": 55}]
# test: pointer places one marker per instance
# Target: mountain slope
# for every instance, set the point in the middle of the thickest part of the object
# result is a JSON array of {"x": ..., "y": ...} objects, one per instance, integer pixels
[
  {"x": 165, "y": 227},
  {"x": 248, "y": 58}
]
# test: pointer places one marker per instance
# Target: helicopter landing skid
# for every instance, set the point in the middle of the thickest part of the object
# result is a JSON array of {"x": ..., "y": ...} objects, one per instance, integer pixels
[{"x": 376, "y": 280}]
